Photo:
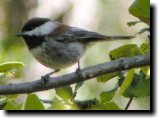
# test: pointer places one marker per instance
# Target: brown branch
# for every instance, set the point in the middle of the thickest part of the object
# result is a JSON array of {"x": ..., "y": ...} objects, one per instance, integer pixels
[{"x": 68, "y": 79}]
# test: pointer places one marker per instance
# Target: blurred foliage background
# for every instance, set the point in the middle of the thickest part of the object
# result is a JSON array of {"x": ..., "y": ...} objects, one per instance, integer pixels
[{"x": 108, "y": 17}]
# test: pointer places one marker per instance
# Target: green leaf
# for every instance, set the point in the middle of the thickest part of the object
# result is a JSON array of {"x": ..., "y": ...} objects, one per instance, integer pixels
[
  {"x": 106, "y": 96},
  {"x": 64, "y": 92},
  {"x": 78, "y": 85},
  {"x": 2, "y": 75},
  {"x": 4, "y": 67},
  {"x": 105, "y": 106},
  {"x": 33, "y": 103},
  {"x": 11, "y": 96},
  {"x": 128, "y": 50},
  {"x": 19, "y": 106},
  {"x": 141, "y": 9},
  {"x": 146, "y": 70},
  {"x": 58, "y": 104},
  {"x": 10, "y": 69},
  {"x": 132, "y": 23},
  {"x": 143, "y": 88},
  {"x": 11, "y": 105},
  {"x": 106, "y": 77},
  {"x": 144, "y": 30},
  {"x": 127, "y": 81},
  {"x": 145, "y": 47},
  {"x": 140, "y": 86},
  {"x": 3, "y": 102}
]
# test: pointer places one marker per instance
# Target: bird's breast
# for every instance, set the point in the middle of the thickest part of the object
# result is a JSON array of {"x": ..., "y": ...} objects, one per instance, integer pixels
[{"x": 58, "y": 55}]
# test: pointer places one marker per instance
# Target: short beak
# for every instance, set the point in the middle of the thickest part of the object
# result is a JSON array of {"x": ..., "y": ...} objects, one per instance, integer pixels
[{"x": 19, "y": 34}]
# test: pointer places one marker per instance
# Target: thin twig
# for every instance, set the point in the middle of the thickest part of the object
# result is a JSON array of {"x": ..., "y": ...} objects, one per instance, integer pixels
[{"x": 128, "y": 104}]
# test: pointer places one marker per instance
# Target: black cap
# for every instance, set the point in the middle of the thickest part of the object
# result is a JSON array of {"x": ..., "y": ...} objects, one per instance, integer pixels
[{"x": 33, "y": 23}]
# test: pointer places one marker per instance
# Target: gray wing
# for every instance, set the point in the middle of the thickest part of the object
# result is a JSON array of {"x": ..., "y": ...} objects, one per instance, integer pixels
[
  {"x": 84, "y": 35},
  {"x": 65, "y": 33},
  {"x": 78, "y": 34}
]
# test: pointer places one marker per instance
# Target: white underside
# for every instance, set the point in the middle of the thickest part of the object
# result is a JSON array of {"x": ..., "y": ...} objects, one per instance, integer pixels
[{"x": 58, "y": 55}]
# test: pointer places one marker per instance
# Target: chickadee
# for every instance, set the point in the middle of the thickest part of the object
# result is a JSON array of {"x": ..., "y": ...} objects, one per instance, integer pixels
[{"x": 59, "y": 46}]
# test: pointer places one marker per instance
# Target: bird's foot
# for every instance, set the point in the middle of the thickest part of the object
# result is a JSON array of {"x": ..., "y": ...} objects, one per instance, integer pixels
[
  {"x": 79, "y": 73},
  {"x": 45, "y": 79}
]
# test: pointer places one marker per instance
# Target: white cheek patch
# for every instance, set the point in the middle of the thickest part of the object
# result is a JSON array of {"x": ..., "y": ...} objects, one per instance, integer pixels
[{"x": 43, "y": 29}]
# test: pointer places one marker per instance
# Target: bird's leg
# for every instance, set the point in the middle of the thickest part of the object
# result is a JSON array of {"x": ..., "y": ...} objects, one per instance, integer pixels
[
  {"x": 45, "y": 78},
  {"x": 79, "y": 84},
  {"x": 78, "y": 71}
]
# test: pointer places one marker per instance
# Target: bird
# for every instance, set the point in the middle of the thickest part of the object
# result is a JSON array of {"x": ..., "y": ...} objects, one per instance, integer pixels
[{"x": 59, "y": 46}]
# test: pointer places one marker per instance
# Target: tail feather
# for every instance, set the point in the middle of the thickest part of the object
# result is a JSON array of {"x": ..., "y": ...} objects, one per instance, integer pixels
[
  {"x": 118, "y": 37},
  {"x": 103, "y": 38}
]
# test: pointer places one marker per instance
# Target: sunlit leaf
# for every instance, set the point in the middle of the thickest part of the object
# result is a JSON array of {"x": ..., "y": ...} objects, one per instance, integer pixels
[
  {"x": 127, "y": 81},
  {"x": 140, "y": 86},
  {"x": 19, "y": 106},
  {"x": 146, "y": 70},
  {"x": 10, "y": 105},
  {"x": 11, "y": 96},
  {"x": 141, "y": 9},
  {"x": 10, "y": 69},
  {"x": 33, "y": 103},
  {"x": 2, "y": 75},
  {"x": 106, "y": 96},
  {"x": 145, "y": 47},
  {"x": 128, "y": 50},
  {"x": 64, "y": 92},
  {"x": 4, "y": 67},
  {"x": 106, "y": 77},
  {"x": 105, "y": 106},
  {"x": 58, "y": 104}
]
